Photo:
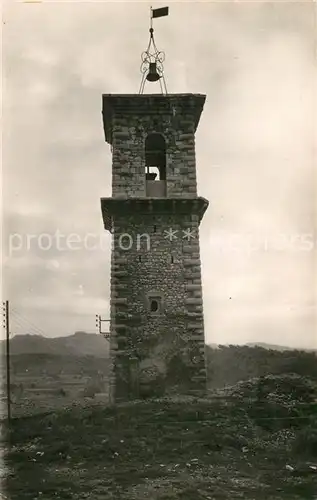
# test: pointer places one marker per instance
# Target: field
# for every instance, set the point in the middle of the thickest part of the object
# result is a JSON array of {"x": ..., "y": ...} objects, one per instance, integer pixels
[{"x": 42, "y": 382}]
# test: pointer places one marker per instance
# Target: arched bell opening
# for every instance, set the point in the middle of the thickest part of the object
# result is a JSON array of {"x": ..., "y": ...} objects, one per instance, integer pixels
[{"x": 155, "y": 165}]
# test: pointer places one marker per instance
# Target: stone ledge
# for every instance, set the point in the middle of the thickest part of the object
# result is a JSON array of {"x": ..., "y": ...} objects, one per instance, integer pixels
[
  {"x": 119, "y": 286},
  {"x": 186, "y": 136},
  {"x": 190, "y": 286},
  {"x": 191, "y": 275},
  {"x": 122, "y": 314},
  {"x": 198, "y": 336},
  {"x": 120, "y": 260},
  {"x": 122, "y": 300},
  {"x": 190, "y": 249},
  {"x": 196, "y": 326},
  {"x": 191, "y": 262},
  {"x": 117, "y": 273},
  {"x": 128, "y": 206},
  {"x": 193, "y": 301}
]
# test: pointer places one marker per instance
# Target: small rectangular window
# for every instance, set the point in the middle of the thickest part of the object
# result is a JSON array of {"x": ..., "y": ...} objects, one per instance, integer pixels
[{"x": 155, "y": 304}]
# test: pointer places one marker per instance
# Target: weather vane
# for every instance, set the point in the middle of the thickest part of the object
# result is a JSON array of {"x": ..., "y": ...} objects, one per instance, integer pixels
[{"x": 152, "y": 58}]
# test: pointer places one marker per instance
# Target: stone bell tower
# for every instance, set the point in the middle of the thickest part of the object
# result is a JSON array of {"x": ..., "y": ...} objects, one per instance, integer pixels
[{"x": 157, "y": 342}]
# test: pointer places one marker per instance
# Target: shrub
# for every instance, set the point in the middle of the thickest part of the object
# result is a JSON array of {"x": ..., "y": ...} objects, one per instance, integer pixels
[
  {"x": 306, "y": 439},
  {"x": 277, "y": 402}
]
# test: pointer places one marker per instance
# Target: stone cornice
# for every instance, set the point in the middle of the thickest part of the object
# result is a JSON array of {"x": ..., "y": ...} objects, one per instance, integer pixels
[
  {"x": 149, "y": 104},
  {"x": 157, "y": 206}
]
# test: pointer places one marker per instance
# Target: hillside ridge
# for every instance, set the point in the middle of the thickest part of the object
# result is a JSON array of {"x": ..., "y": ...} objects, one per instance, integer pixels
[{"x": 78, "y": 344}]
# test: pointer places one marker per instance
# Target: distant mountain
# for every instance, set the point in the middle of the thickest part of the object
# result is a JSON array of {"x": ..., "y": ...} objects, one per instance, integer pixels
[
  {"x": 89, "y": 344},
  {"x": 79, "y": 344},
  {"x": 264, "y": 345},
  {"x": 277, "y": 347}
]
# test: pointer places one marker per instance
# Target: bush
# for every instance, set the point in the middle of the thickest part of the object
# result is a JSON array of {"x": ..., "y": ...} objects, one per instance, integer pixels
[
  {"x": 306, "y": 439},
  {"x": 277, "y": 402}
]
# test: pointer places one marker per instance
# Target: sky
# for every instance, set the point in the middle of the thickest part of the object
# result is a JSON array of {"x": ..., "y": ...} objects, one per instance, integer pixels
[{"x": 255, "y": 151}]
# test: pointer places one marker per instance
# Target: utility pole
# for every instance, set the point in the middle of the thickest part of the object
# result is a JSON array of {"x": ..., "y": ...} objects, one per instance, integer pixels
[
  {"x": 7, "y": 327},
  {"x": 98, "y": 326}
]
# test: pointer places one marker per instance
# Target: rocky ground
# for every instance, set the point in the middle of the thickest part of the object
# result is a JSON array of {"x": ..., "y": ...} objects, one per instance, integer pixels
[{"x": 257, "y": 440}]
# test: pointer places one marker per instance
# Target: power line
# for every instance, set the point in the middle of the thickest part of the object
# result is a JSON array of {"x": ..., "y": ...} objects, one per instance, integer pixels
[
  {"x": 99, "y": 320},
  {"x": 25, "y": 328},
  {"x": 26, "y": 319},
  {"x": 29, "y": 324}
]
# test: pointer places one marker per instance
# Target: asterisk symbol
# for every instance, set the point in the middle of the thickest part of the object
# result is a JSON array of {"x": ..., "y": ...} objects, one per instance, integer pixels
[
  {"x": 188, "y": 233},
  {"x": 170, "y": 234}
]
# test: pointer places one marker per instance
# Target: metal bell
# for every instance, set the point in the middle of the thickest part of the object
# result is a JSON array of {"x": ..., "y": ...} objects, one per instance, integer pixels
[{"x": 153, "y": 75}]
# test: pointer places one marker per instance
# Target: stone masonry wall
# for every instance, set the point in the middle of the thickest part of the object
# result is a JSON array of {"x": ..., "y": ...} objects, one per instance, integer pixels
[{"x": 164, "y": 354}]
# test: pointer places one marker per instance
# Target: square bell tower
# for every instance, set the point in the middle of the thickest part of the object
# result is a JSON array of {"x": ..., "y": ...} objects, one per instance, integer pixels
[{"x": 157, "y": 342}]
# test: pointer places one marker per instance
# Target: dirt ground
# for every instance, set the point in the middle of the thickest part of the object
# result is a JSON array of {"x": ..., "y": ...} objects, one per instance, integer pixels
[{"x": 158, "y": 450}]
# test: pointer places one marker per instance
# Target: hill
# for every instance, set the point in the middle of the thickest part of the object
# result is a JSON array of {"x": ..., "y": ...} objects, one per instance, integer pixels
[
  {"x": 228, "y": 365},
  {"x": 78, "y": 344},
  {"x": 88, "y": 344},
  {"x": 50, "y": 373},
  {"x": 264, "y": 345},
  {"x": 276, "y": 347}
]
